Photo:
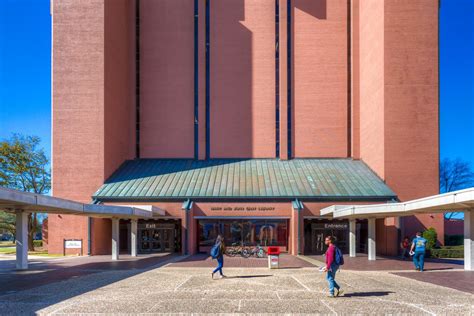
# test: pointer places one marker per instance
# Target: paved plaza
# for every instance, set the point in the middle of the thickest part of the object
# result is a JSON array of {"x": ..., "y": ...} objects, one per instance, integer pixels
[{"x": 171, "y": 284}]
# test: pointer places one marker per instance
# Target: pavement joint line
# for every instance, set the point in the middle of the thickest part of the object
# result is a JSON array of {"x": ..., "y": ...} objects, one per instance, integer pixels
[
  {"x": 182, "y": 283},
  {"x": 329, "y": 307},
  {"x": 240, "y": 305},
  {"x": 301, "y": 283},
  {"x": 417, "y": 306},
  {"x": 278, "y": 295}
]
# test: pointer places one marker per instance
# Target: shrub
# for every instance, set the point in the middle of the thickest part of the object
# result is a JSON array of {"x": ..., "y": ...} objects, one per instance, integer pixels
[
  {"x": 38, "y": 243},
  {"x": 431, "y": 236},
  {"x": 447, "y": 252}
]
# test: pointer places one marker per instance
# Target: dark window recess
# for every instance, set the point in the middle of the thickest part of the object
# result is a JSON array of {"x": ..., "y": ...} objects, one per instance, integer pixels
[
  {"x": 137, "y": 78},
  {"x": 277, "y": 79},
  {"x": 288, "y": 47},
  {"x": 196, "y": 80},
  {"x": 208, "y": 114}
]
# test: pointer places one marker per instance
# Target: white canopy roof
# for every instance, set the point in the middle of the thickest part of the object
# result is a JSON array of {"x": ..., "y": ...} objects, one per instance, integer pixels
[
  {"x": 14, "y": 200},
  {"x": 462, "y": 200}
]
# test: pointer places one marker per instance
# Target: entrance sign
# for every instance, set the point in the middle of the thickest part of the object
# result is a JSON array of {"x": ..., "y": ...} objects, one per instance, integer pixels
[
  {"x": 243, "y": 208},
  {"x": 72, "y": 244}
]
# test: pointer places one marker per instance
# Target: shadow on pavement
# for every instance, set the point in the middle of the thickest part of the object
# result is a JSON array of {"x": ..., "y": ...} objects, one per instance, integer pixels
[
  {"x": 52, "y": 273},
  {"x": 250, "y": 276},
  {"x": 367, "y": 294}
]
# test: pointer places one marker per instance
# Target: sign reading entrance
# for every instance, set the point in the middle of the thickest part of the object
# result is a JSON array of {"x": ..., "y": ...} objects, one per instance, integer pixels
[{"x": 241, "y": 208}]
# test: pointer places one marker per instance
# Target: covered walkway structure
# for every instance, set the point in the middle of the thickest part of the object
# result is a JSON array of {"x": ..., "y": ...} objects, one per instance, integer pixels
[
  {"x": 23, "y": 203},
  {"x": 457, "y": 201}
]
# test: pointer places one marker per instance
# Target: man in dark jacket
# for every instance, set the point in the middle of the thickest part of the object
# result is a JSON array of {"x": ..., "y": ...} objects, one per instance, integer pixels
[{"x": 331, "y": 267}]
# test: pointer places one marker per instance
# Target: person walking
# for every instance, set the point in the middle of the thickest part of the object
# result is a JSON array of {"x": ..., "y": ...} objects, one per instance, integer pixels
[
  {"x": 405, "y": 248},
  {"x": 418, "y": 249},
  {"x": 217, "y": 252},
  {"x": 333, "y": 261}
]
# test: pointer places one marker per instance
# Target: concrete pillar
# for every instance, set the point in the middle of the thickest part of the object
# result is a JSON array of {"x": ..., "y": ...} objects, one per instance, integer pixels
[
  {"x": 21, "y": 240},
  {"x": 371, "y": 240},
  {"x": 133, "y": 237},
  {"x": 469, "y": 240},
  {"x": 352, "y": 238},
  {"x": 115, "y": 238}
]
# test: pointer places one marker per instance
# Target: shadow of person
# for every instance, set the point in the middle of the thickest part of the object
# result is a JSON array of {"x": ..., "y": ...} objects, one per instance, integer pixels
[
  {"x": 250, "y": 276},
  {"x": 367, "y": 294}
]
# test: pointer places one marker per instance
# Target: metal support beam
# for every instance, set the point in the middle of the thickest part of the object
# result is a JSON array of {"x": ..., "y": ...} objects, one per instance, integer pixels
[
  {"x": 115, "y": 238},
  {"x": 21, "y": 240},
  {"x": 469, "y": 240},
  {"x": 371, "y": 239},
  {"x": 352, "y": 238},
  {"x": 133, "y": 237}
]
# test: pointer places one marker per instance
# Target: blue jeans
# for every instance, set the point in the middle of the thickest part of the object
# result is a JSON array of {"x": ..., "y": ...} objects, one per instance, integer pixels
[
  {"x": 419, "y": 259},
  {"x": 220, "y": 264},
  {"x": 331, "y": 277}
]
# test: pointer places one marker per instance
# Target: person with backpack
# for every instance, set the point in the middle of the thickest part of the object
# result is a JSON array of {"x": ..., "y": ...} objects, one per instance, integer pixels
[
  {"x": 217, "y": 252},
  {"x": 334, "y": 259},
  {"x": 418, "y": 249}
]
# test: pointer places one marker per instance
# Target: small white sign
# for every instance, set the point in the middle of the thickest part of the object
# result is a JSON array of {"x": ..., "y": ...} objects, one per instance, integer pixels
[{"x": 73, "y": 244}]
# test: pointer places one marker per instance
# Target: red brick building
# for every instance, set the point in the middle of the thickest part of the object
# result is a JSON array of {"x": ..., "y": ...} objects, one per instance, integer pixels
[{"x": 243, "y": 117}]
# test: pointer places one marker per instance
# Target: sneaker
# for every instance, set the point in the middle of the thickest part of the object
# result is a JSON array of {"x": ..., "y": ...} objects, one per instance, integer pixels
[
  {"x": 417, "y": 269},
  {"x": 331, "y": 296},
  {"x": 339, "y": 292},
  {"x": 212, "y": 275}
]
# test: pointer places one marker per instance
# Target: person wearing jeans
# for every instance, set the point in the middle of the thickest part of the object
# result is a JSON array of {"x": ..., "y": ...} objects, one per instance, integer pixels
[
  {"x": 418, "y": 248},
  {"x": 331, "y": 268},
  {"x": 220, "y": 258}
]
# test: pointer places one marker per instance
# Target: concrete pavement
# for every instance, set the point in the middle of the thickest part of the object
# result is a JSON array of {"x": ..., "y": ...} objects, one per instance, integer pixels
[{"x": 169, "y": 289}]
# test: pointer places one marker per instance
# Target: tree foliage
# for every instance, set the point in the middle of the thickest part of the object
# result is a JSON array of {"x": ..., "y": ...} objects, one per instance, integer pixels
[
  {"x": 24, "y": 166},
  {"x": 454, "y": 174},
  {"x": 431, "y": 236}
]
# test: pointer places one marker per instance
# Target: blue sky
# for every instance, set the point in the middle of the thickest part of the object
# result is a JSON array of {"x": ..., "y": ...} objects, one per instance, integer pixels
[{"x": 25, "y": 81}]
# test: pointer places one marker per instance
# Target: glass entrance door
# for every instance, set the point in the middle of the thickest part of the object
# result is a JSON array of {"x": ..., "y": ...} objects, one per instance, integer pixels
[{"x": 157, "y": 240}]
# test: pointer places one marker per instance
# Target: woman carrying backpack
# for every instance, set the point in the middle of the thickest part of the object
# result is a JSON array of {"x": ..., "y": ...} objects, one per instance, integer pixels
[
  {"x": 333, "y": 260},
  {"x": 217, "y": 252}
]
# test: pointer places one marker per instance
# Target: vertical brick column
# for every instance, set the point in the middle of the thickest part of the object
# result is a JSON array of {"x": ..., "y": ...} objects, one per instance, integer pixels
[{"x": 296, "y": 230}]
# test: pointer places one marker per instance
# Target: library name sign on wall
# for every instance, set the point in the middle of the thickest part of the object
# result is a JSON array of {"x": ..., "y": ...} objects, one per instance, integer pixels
[{"x": 244, "y": 208}]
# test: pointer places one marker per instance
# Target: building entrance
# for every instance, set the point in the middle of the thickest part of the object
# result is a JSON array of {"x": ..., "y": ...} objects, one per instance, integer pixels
[
  {"x": 157, "y": 237},
  {"x": 156, "y": 240},
  {"x": 317, "y": 230}
]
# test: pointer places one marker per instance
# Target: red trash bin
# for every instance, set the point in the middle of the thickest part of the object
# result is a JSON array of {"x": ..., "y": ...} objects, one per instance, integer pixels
[{"x": 273, "y": 257}]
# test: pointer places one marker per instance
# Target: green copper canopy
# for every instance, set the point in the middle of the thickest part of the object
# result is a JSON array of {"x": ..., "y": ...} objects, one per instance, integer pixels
[{"x": 314, "y": 179}]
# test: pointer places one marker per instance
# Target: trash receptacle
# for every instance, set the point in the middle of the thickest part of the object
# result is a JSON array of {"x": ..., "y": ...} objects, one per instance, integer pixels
[{"x": 273, "y": 257}]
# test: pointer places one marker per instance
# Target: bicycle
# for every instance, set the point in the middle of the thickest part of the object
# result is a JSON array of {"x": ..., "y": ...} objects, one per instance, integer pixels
[
  {"x": 257, "y": 251},
  {"x": 237, "y": 249}
]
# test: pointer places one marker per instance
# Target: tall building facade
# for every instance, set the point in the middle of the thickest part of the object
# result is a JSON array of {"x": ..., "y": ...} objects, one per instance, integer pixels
[{"x": 243, "y": 117}]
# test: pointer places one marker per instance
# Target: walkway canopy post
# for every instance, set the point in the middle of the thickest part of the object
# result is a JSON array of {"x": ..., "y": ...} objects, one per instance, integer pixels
[
  {"x": 371, "y": 239},
  {"x": 133, "y": 237},
  {"x": 352, "y": 238},
  {"x": 115, "y": 238},
  {"x": 21, "y": 240},
  {"x": 469, "y": 240}
]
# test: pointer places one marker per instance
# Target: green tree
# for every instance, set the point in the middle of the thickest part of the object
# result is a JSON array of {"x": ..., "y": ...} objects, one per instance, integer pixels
[
  {"x": 24, "y": 166},
  {"x": 431, "y": 237}
]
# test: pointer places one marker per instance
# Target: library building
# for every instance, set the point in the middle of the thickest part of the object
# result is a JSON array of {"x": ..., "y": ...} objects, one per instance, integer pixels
[{"x": 242, "y": 118}]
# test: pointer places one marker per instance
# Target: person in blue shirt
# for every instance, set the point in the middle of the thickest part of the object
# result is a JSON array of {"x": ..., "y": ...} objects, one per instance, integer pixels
[{"x": 418, "y": 248}]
